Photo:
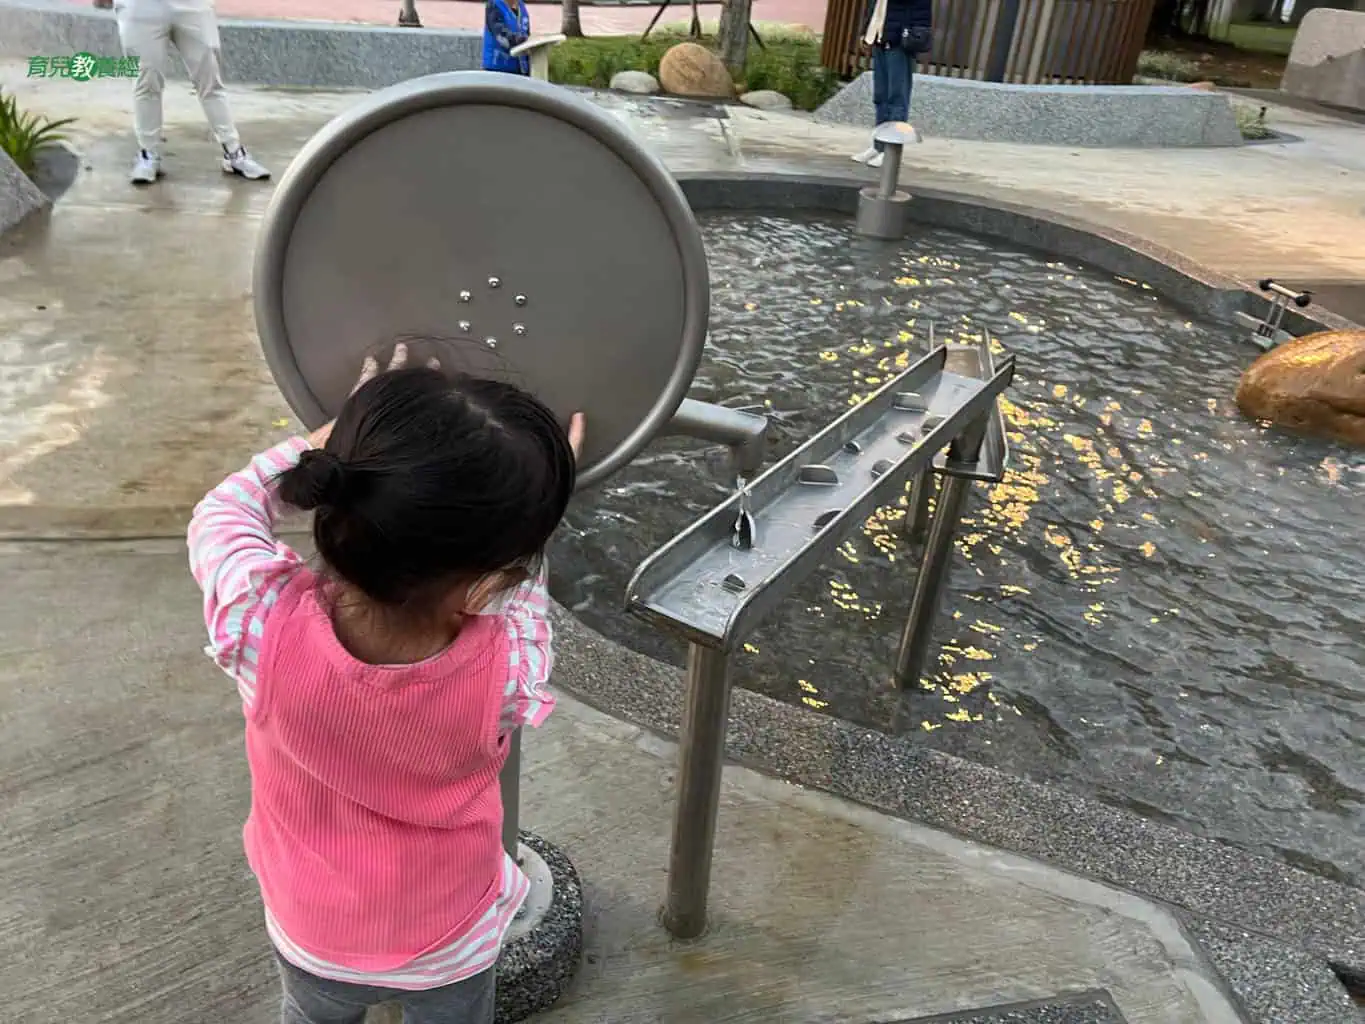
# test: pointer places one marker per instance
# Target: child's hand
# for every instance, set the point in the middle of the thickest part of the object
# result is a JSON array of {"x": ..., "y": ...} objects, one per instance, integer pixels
[
  {"x": 368, "y": 371},
  {"x": 577, "y": 425}
]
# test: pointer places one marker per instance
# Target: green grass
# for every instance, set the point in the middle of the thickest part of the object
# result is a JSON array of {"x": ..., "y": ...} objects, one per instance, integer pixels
[
  {"x": 23, "y": 135},
  {"x": 1261, "y": 37},
  {"x": 1169, "y": 67},
  {"x": 790, "y": 63}
]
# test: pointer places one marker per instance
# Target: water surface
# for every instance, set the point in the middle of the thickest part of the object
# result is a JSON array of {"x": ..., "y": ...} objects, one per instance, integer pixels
[{"x": 1160, "y": 606}]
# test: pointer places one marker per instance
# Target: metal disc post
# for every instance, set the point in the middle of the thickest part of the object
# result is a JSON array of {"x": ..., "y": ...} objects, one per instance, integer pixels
[
  {"x": 509, "y": 779},
  {"x": 701, "y": 760}
]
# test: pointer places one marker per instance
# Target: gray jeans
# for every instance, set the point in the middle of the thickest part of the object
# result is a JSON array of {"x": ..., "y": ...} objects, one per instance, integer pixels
[{"x": 310, "y": 1000}]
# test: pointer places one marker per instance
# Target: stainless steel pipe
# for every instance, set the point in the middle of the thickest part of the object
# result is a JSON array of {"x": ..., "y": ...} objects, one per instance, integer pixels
[
  {"x": 744, "y": 433},
  {"x": 701, "y": 760}
]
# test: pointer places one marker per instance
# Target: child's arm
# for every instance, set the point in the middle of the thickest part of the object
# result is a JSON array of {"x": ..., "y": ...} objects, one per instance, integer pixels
[
  {"x": 238, "y": 563},
  {"x": 527, "y": 699}
]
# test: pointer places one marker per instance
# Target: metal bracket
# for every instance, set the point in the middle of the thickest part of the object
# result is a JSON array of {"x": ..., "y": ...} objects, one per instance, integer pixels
[
  {"x": 713, "y": 591},
  {"x": 1268, "y": 332}
]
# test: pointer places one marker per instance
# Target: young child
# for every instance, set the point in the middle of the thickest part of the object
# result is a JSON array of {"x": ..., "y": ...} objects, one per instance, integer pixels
[
  {"x": 380, "y": 690},
  {"x": 506, "y": 23}
]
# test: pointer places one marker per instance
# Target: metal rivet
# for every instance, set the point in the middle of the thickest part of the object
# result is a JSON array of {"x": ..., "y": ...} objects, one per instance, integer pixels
[
  {"x": 520, "y": 300},
  {"x": 465, "y": 296},
  {"x": 518, "y": 328},
  {"x": 494, "y": 282},
  {"x": 465, "y": 325},
  {"x": 491, "y": 342}
]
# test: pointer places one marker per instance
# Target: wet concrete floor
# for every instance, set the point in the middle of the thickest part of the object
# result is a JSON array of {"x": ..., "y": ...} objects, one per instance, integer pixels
[{"x": 126, "y": 896}]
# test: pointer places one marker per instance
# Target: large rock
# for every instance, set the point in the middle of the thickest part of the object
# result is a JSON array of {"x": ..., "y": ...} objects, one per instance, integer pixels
[
  {"x": 766, "y": 99},
  {"x": 19, "y": 197},
  {"x": 1327, "y": 62},
  {"x": 690, "y": 69},
  {"x": 641, "y": 83},
  {"x": 1311, "y": 385}
]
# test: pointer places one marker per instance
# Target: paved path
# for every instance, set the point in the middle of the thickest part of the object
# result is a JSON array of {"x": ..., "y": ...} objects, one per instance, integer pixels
[{"x": 601, "y": 21}]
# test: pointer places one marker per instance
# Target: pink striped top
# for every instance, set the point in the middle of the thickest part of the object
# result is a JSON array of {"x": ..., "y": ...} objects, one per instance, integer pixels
[{"x": 368, "y": 782}]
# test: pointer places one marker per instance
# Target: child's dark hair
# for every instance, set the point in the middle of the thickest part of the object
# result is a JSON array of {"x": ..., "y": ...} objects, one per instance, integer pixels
[{"x": 429, "y": 480}]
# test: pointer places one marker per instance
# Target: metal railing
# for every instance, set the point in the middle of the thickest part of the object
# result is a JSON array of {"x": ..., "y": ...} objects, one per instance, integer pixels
[{"x": 1026, "y": 42}]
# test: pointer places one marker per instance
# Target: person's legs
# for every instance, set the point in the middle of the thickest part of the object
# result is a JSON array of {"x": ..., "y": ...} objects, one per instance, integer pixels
[
  {"x": 194, "y": 30},
  {"x": 879, "y": 87},
  {"x": 310, "y": 1000},
  {"x": 471, "y": 1001},
  {"x": 144, "y": 32},
  {"x": 898, "y": 74}
]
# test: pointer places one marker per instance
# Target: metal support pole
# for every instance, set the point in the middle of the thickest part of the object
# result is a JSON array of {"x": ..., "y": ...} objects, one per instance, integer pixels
[
  {"x": 701, "y": 758},
  {"x": 917, "y": 512},
  {"x": 891, "y": 170},
  {"x": 509, "y": 780},
  {"x": 937, "y": 560},
  {"x": 407, "y": 15}
]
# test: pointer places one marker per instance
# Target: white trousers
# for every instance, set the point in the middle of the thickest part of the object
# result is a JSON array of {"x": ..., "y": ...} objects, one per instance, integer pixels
[{"x": 147, "y": 29}]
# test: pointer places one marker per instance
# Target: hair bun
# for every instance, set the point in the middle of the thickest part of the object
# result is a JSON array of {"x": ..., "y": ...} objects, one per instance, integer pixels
[{"x": 319, "y": 479}]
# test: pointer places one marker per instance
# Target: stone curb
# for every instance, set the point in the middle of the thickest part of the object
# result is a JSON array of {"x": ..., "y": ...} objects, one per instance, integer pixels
[{"x": 1051, "y": 115}]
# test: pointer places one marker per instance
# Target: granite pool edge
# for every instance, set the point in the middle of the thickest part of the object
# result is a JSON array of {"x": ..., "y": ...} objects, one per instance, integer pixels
[
  {"x": 1301, "y": 929},
  {"x": 1173, "y": 276}
]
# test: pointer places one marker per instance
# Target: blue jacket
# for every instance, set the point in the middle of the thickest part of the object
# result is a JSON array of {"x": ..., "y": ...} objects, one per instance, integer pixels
[
  {"x": 901, "y": 16},
  {"x": 502, "y": 30}
]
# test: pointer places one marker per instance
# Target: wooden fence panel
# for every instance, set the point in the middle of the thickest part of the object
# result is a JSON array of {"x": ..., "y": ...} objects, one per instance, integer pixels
[{"x": 1064, "y": 42}]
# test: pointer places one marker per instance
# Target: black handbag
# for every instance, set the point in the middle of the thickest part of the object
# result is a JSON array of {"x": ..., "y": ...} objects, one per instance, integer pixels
[{"x": 917, "y": 40}]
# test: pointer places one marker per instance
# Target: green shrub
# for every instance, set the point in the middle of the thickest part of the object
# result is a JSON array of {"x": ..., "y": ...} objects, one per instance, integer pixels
[
  {"x": 788, "y": 63},
  {"x": 1251, "y": 122},
  {"x": 23, "y": 135},
  {"x": 1168, "y": 66}
]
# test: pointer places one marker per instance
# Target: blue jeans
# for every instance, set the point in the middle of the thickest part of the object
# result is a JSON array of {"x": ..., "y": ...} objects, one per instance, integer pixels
[
  {"x": 891, "y": 77},
  {"x": 310, "y": 1000}
]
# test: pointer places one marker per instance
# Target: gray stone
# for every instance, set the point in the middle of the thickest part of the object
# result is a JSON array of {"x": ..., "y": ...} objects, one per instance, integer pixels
[
  {"x": 641, "y": 83},
  {"x": 1084, "y": 1008},
  {"x": 317, "y": 55},
  {"x": 19, "y": 197},
  {"x": 1327, "y": 63},
  {"x": 766, "y": 99},
  {"x": 1058, "y": 115},
  {"x": 1276, "y": 983}
]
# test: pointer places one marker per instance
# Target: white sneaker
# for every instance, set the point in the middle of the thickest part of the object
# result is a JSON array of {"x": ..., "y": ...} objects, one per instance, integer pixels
[
  {"x": 147, "y": 169},
  {"x": 876, "y": 160},
  {"x": 865, "y": 155},
  {"x": 240, "y": 163}
]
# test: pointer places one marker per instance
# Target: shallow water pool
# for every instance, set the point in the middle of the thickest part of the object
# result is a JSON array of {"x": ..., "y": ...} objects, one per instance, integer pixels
[{"x": 1160, "y": 606}]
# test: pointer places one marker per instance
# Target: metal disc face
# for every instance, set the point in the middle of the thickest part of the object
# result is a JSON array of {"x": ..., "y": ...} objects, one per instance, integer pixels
[{"x": 505, "y": 226}]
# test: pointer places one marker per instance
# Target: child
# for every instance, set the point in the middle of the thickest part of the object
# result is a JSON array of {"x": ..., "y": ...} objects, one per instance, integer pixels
[
  {"x": 506, "y": 23},
  {"x": 380, "y": 691}
]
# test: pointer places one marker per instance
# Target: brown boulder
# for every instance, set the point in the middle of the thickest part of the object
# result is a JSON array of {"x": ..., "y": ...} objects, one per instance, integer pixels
[
  {"x": 689, "y": 69},
  {"x": 1311, "y": 385}
]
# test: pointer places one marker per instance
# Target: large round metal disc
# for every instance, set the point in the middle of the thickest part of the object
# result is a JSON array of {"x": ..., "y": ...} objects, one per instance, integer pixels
[{"x": 517, "y": 228}]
